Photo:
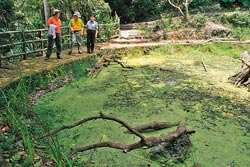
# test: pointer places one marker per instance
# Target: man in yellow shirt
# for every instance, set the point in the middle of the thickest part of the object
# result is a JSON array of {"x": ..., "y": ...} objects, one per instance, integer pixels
[{"x": 76, "y": 27}]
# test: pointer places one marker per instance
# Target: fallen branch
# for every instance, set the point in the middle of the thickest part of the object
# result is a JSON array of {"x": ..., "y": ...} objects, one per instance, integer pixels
[
  {"x": 154, "y": 126},
  {"x": 244, "y": 62},
  {"x": 148, "y": 142},
  {"x": 234, "y": 75},
  {"x": 101, "y": 116},
  {"x": 104, "y": 60},
  {"x": 144, "y": 141},
  {"x": 114, "y": 60},
  {"x": 204, "y": 66}
]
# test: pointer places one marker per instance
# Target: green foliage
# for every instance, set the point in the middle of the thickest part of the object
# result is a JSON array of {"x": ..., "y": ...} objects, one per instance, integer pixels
[
  {"x": 238, "y": 21},
  {"x": 241, "y": 33},
  {"x": 245, "y": 3},
  {"x": 136, "y": 10},
  {"x": 29, "y": 14},
  {"x": 201, "y": 2},
  {"x": 109, "y": 29},
  {"x": 229, "y": 1},
  {"x": 197, "y": 21},
  {"x": 167, "y": 23},
  {"x": 27, "y": 125},
  {"x": 6, "y": 16}
]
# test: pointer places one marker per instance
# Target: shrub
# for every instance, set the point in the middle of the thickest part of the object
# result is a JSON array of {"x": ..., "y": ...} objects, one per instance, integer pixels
[
  {"x": 237, "y": 19},
  {"x": 241, "y": 19},
  {"x": 197, "y": 21},
  {"x": 167, "y": 23}
]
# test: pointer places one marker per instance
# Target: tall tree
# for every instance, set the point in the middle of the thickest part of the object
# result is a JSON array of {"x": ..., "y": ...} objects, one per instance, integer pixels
[{"x": 180, "y": 5}]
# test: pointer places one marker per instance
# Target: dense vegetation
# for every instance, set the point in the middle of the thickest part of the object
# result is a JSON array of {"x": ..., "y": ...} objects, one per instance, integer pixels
[
  {"x": 21, "y": 122},
  {"x": 29, "y": 14},
  {"x": 143, "y": 10}
]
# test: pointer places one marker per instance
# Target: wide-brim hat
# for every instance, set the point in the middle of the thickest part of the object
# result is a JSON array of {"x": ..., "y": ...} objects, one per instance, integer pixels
[
  {"x": 55, "y": 11},
  {"x": 77, "y": 14}
]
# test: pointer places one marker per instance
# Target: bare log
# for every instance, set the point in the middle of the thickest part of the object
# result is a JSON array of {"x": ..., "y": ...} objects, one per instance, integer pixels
[{"x": 154, "y": 126}]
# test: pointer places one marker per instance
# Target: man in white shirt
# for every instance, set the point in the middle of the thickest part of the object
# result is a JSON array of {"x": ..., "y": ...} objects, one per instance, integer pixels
[{"x": 91, "y": 32}]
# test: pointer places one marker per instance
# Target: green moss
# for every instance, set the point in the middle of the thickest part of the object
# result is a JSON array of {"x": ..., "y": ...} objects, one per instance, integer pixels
[{"x": 204, "y": 101}]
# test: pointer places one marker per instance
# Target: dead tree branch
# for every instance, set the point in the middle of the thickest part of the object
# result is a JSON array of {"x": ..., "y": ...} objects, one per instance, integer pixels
[
  {"x": 204, "y": 66},
  {"x": 154, "y": 126},
  {"x": 104, "y": 60},
  {"x": 148, "y": 142},
  {"x": 144, "y": 141},
  {"x": 101, "y": 116},
  {"x": 244, "y": 62},
  {"x": 242, "y": 78},
  {"x": 171, "y": 3}
]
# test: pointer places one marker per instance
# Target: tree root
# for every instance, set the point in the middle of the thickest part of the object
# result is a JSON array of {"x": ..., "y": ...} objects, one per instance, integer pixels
[{"x": 242, "y": 78}]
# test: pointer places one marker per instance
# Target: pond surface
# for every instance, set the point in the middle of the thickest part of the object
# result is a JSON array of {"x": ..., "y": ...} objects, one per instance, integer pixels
[{"x": 204, "y": 101}]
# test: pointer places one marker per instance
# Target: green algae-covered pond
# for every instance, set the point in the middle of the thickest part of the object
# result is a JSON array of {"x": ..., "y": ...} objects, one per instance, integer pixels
[{"x": 183, "y": 92}]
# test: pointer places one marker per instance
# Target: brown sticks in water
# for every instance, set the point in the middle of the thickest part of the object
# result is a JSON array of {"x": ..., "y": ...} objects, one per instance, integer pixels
[{"x": 144, "y": 141}]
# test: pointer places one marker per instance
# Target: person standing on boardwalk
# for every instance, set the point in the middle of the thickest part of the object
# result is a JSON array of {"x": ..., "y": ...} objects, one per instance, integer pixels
[
  {"x": 76, "y": 27},
  {"x": 92, "y": 31},
  {"x": 54, "y": 34}
]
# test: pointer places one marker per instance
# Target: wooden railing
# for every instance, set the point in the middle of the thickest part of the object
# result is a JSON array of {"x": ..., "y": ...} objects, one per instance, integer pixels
[
  {"x": 32, "y": 43},
  {"x": 27, "y": 44}
]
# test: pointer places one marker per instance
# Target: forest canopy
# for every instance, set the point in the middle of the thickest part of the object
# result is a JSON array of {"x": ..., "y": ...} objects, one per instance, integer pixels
[
  {"x": 29, "y": 14},
  {"x": 144, "y": 10}
]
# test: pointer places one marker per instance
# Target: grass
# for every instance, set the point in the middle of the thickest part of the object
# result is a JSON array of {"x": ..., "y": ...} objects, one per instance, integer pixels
[
  {"x": 205, "y": 101},
  {"x": 20, "y": 143}
]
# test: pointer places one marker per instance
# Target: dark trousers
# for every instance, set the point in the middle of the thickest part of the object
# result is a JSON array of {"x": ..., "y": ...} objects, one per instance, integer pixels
[
  {"x": 91, "y": 40},
  {"x": 51, "y": 41}
]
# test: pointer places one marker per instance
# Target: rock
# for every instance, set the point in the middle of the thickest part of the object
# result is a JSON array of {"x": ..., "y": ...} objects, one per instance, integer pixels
[{"x": 218, "y": 30}]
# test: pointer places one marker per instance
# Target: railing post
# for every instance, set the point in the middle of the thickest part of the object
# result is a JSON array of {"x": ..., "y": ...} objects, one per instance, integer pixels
[
  {"x": 24, "y": 46},
  {"x": 42, "y": 39},
  {"x": 69, "y": 43}
]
